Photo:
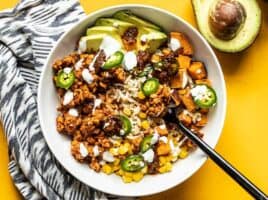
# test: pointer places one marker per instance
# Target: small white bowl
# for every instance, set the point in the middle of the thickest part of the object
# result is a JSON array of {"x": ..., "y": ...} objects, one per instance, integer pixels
[{"x": 60, "y": 145}]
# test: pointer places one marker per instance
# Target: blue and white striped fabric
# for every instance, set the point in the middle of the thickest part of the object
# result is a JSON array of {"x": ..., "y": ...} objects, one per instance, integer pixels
[{"x": 27, "y": 33}]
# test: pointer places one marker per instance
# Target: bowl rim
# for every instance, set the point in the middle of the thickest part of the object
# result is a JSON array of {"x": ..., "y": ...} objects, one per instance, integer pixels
[{"x": 185, "y": 23}]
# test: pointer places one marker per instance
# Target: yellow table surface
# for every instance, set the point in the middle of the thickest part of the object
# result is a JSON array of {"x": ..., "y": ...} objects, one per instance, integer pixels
[{"x": 244, "y": 141}]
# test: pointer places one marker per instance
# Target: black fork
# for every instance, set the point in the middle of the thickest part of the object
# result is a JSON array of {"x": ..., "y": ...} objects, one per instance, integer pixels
[{"x": 243, "y": 181}]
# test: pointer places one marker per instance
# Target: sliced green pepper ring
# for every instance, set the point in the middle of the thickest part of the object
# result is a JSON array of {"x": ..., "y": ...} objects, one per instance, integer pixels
[
  {"x": 150, "y": 86},
  {"x": 114, "y": 60},
  {"x": 133, "y": 163},
  {"x": 206, "y": 96},
  {"x": 65, "y": 80},
  {"x": 146, "y": 143},
  {"x": 126, "y": 125}
]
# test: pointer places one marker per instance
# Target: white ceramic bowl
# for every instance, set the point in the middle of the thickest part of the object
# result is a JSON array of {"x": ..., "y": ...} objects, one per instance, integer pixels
[{"x": 60, "y": 145}]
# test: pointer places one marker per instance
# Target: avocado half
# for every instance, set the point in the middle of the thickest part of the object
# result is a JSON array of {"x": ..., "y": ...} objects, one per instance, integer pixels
[{"x": 244, "y": 37}]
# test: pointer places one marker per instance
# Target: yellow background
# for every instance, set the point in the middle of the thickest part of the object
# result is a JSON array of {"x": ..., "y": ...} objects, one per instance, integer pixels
[{"x": 244, "y": 141}]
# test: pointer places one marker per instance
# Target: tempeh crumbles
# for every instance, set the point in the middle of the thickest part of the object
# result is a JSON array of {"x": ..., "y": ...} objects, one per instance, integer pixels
[{"x": 114, "y": 99}]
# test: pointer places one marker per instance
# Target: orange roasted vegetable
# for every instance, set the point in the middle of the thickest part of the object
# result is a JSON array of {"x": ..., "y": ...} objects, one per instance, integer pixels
[
  {"x": 197, "y": 71},
  {"x": 186, "y": 46},
  {"x": 184, "y": 61},
  {"x": 187, "y": 100}
]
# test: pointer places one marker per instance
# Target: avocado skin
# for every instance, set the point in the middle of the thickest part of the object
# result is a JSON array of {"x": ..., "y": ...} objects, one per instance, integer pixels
[
  {"x": 121, "y": 26},
  {"x": 245, "y": 36},
  {"x": 126, "y": 15}
]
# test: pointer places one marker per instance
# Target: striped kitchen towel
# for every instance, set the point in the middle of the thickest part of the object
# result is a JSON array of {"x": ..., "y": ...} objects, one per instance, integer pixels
[{"x": 27, "y": 34}]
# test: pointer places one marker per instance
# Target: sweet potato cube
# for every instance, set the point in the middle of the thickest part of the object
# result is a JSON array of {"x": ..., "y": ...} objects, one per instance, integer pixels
[
  {"x": 197, "y": 71},
  {"x": 186, "y": 46},
  {"x": 203, "y": 121},
  {"x": 162, "y": 130},
  {"x": 175, "y": 97},
  {"x": 185, "y": 118},
  {"x": 163, "y": 149},
  {"x": 184, "y": 61},
  {"x": 180, "y": 79},
  {"x": 188, "y": 101}
]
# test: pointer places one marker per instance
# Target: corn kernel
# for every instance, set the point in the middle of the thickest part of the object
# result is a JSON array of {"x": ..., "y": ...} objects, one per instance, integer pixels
[
  {"x": 162, "y": 160},
  {"x": 165, "y": 168},
  {"x": 128, "y": 174},
  {"x": 168, "y": 166},
  {"x": 107, "y": 169},
  {"x": 114, "y": 151},
  {"x": 120, "y": 172},
  {"x": 116, "y": 167},
  {"x": 116, "y": 161},
  {"x": 162, "y": 169},
  {"x": 127, "y": 111},
  {"x": 166, "y": 51},
  {"x": 127, "y": 179},
  {"x": 145, "y": 124},
  {"x": 137, "y": 176},
  {"x": 117, "y": 143},
  {"x": 169, "y": 158},
  {"x": 155, "y": 58},
  {"x": 183, "y": 153},
  {"x": 142, "y": 115},
  {"x": 141, "y": 95},
  {"x": 144, "y": 170},
  {"x": 123, "y": 149}
]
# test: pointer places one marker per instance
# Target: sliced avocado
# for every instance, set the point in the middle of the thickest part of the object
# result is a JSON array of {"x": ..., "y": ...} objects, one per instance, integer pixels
[
  {"x": 101, "y": 29},
  {"x": 121, "y": 26},
  {"x": 128, "y": 16},
  {"x": 150, "y": 39},
  {"x": 229, "y": 26},
  {"x": 92, "y": 42}
]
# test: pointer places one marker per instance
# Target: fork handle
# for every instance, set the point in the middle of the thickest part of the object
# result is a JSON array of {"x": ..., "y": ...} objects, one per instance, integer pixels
[{"x": 225, "y": 165}]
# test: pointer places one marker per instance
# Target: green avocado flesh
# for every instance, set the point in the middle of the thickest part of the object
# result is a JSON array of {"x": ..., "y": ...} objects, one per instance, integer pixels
[
  {"x": 121, "y": 26},
  {"x": 245, "y": 36},
  {"x": 154, "y": 39},
  {"x": 93, "y": 41},
  {"x": 102, "y": 29},
  {"x": 127, "y": 16},
  {"x": 149, "y": 38}
]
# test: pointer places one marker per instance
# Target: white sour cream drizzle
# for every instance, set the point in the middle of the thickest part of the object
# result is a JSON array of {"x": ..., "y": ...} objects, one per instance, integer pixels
[
  {"x": 83, "y": 150},
  {"x": 174, "y": 44},
  {"x": 78, "y": 65},
  {"x": 107, "y": 156},
  {"x": 73, "y": 112},
  {"x": 68, "y": 97},
  {"x": 91, "y": 65},
  {"x": 109, "y": 45},
  {"x": 175, "y": 150},
  {"x": 87, "y": 76},
  {"x": 163, "y": 139},
  {"x": 155, "y": 138},
  {"x": 130, "y": 60},
  {"x": 67, "y": 70},
  {"x": 97, "y": 103},
  {"x": 96, "y": 151}
]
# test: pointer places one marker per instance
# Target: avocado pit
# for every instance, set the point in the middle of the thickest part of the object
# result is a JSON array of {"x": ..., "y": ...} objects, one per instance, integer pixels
[{"x": 226, "y": 18}]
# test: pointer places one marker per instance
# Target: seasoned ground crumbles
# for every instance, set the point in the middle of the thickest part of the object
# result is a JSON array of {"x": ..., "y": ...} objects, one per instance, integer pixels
[{"x": 115, "y": 118}]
